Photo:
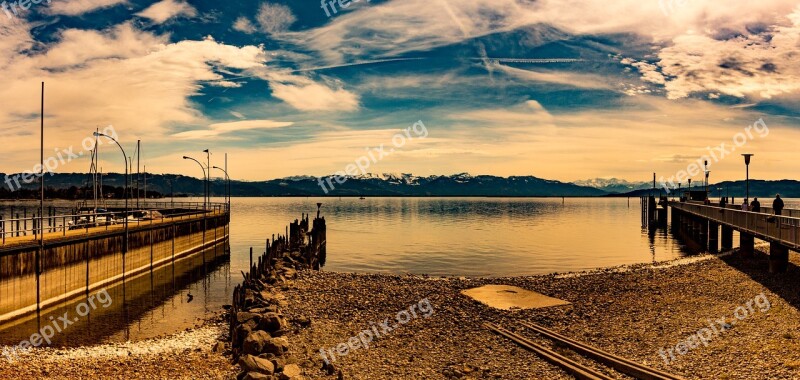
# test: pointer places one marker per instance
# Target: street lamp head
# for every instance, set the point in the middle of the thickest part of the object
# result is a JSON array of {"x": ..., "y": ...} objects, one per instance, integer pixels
[
  {"x": 186, "y": 157},
  {"x": 747, "y": 158},
  {"x": 97, "y": 134}
]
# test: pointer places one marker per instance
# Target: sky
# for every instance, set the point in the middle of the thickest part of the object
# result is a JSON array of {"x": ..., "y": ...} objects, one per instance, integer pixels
[{"x": 558, "y": 89}]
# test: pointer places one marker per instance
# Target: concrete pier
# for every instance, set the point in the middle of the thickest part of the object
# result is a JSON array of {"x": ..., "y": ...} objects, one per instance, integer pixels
[
  {"x": 746, "y": 244},
  {"x": 713, "y": 237},
  {"x": 778, "y": 258},
  {"x": 78, "y": 262},
  {"x": 727, "y": 238}
]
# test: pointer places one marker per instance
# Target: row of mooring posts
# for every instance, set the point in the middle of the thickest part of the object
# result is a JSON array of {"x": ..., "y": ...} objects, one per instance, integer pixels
[
  {"x": 654, "y": 213},
  {"x": 715, "y": 237}
]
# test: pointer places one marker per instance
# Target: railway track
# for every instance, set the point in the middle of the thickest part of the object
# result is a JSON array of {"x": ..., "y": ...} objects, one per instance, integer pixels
[{"x": 579, "y": 370}]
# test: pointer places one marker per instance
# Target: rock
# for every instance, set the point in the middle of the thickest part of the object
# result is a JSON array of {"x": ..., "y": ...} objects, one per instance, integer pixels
[
  {"x": 249, "y": 297},
  {"x": 271, "y": 322},
  {"x": 278, "y": 363},
  {"x": 303, "y": 321},
  {"x": 329, "y": 368},
  {"x": 257, "y": 376},
  {"x": 255, "y": 342},
  {"x": 289, "y": 273},
  {"x": 252, "y": 364},
  {"x": 268, "y": 297},
  {"x": 244, "y": 316},
  {"x": 291, "y": 372},
  {"x": 242, "y": 331},
  {"x": 277, "y": 346},
  {"x": 218, "y": 347}
]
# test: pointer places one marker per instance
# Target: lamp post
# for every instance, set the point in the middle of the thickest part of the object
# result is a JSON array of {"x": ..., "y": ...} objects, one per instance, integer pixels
[
  {"x": 208, "y": 178},
  {"x": 205, "y": 206},
  {"x": 125, "y": 220},
  {"x": 747, "y": 170},
  {"x": 690, "y": 189},
  {"x": 228, "y": 179},
  {"x": 707, "y": 172}
]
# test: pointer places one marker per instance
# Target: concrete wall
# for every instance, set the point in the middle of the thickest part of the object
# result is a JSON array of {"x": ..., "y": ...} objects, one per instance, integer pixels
[{"x": 74, "y": 266}]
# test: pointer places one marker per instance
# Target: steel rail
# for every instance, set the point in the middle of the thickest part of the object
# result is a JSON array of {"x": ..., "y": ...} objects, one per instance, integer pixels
[
  {"x": 576, "y": 369},
  {"x": 621, "y": 364}
]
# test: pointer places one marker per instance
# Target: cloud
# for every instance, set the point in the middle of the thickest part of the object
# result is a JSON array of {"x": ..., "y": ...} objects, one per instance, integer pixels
[
  {"x": 115, "y": 76},
  {"x": 218, "y": 129},
  {"x": 81, "y": 47},
  {"x": 305, "y": 94},
  {"x": 167, "y": 9},
  {"x": 745, "y": 49},
  {"x": 244, "y": 25},
  {"x": 275, "y": 18},
  {"x": 573, "y": 79},
  {"x": 79, "y": 7}
]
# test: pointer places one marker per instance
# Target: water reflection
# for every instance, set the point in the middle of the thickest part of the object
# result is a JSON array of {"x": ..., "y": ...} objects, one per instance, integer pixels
[{"x": 150, "y": 304}]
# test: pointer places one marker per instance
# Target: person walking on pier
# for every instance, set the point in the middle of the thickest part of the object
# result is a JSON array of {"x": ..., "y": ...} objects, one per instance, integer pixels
[
  {"x": 744, "y": 205},
  {"x": 777, "y": 204},
  {"x": 755, "y": 206}
]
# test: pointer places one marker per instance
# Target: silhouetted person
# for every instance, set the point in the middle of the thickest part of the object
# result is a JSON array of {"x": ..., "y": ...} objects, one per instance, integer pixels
[
  {"x": 722, "y": 202},
  {"x": 777, "y": 204},
  {"x": 744, "y": 205},
  {"x": 755, "y": 206}
]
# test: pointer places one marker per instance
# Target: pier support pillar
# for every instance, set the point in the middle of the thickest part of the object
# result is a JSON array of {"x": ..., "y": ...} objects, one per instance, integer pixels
[
  {"x": 727, "y": 238},
  {"x": 778, "y": 258},
  {"x": 702, "y": 233},
  {"x": 746, "y": 244},
  {"x": 713, "y": 237}
]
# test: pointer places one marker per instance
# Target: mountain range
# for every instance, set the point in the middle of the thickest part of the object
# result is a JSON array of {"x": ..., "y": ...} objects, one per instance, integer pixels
[{"x": 403, "y": 184}]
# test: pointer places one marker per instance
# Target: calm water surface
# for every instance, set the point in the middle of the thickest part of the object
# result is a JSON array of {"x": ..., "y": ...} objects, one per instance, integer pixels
[{"x": 435, "y": 236}]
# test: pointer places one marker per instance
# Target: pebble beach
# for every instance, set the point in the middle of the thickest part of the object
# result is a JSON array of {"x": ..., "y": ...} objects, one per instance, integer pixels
[{"x": 632, "y": 311}]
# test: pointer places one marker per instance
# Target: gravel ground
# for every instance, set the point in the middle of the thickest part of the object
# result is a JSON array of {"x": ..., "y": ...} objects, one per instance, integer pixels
[
  {"x": 185, "y": 355},
  {"x": 632, "y": 312}
]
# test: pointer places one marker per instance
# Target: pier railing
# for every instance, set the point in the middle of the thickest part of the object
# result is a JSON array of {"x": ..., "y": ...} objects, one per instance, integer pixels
[
  {"x": 17, "y": 230},
  {"x": 774, "y": 228}
]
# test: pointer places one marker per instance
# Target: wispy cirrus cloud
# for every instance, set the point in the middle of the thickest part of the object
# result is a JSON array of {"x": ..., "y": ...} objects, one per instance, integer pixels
[
  {"x": 167, "y": 9},
  {"x": 217, "y": 129},
  {"x": 79, "y": 7}
]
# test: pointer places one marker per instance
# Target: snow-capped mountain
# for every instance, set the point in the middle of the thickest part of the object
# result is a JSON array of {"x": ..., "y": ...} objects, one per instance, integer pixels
[
  {"x": 613, "y": 185},
  {"x": 407, "y": 184}
]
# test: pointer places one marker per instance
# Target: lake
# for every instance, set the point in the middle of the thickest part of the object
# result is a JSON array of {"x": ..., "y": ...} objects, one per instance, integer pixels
[{"x": 434, "y": 236}]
